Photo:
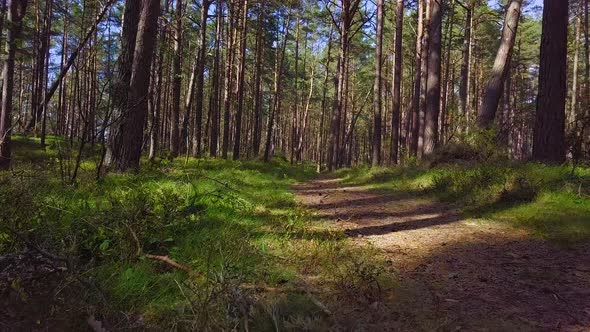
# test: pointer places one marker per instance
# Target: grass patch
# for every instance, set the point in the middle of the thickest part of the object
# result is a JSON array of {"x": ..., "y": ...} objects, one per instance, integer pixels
[{"x": 235, "y": 224}]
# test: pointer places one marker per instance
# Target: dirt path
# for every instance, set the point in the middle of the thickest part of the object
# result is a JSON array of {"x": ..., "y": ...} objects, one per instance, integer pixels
[{"x": 459, "y": 274}]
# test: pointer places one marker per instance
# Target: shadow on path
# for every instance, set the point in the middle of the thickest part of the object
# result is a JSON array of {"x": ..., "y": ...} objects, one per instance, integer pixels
[{"x": 454, "y": 273}]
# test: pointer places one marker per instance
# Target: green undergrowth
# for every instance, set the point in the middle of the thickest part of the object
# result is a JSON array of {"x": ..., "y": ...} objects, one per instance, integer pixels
[
  {"x": 253, "y": 253},
  {"x": 552, "y": 201}
]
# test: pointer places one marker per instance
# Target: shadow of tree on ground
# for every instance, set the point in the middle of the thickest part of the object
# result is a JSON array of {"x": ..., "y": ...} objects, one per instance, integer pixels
[{"x": 455, "y": 273}]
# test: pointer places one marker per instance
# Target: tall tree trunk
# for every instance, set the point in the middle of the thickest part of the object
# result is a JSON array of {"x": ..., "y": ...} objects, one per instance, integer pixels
[
  {"x": 297, "y": 115},
  {"x": 215, "y": 109},
  {"x": 343, "y": 118},
  {"x": 397, "y": 80},
  {"x": 38, "y": 63},
  {"x": 495, "y": 86},
  {"x": 61, "y": 102},
  {"x": 320, "y": 147},
  {"x": 185, "y": 136},
  {"x": 16, "y": 12},
  {"x": 260, "y": 44},
  {"x": 465, "y": 64},
  {"x": 242, "y": 69},
  {"x": 424, "y": 77},
  {"x": 176, "y": 83},
  {"x": 47, "y": 42},
  {"x": 549, "y": 134},
  {"x": 229, "y": 70},
  {"x": 586, "y": 53},
  {"x": 42, "y": 53},
  {"x": 3, "y": 8},
  {"x": 377, "y": 89},
  {"x": 157, "y": 117},
  {"x": 121, "y": 85},
  {"x": 585, "y": 115},
  {"x": 573, "y": 116},
  {"x": 133, "y": 120},
  {"x": 277, "y": 93},
  {"x": 305, "y": 116},
  {"x": 433, "y": 81},
  {"x": 349, "y": 10},
  {"x": 197, "y": 151},
  {"x": 448, "y": 83},
  {"x": 415, "y": 133}
]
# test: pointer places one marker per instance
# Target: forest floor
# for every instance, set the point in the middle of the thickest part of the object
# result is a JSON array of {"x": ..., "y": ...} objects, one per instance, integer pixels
[
  {"x": 471, "y": 246},
  {"x": 455, "y": 272}
]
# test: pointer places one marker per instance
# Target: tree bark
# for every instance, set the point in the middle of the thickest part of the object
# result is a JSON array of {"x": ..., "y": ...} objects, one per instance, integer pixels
[
  {"x": 573, "y": 116},
  {"x": 45, "y": 72},
  {"x": 586, "y": 53},
  {"x": 277, "y": 93},
  {"x": 585, "y": 116},
  {"x": 349, "y": 10},
  {"x": 448, "y": 83},
  {"x": 260, "y": 44},
  {"x": 176, "y": 83},
  {"x": 397, "y": 80},
  {"x": 424, "y": 77},
  {"x": 305, "y": 116},
  {"x": 433, "y": 82},
  {"x": 321, "y": 140},
  {"x": 377, "y": 89},
  {"x": 464, "y": 86},
  {"x": 495, "y": 86},
  {"x": 157, "y": 109},
  {"x": 133, "y": 121},
  {"x": 121, "y": 85},
  {"x": 242, "y": 69},
  {"x": 215, "y": 109},
  {"x": 549, "y": 133},
  {"x": 39, "y": 81},
  {"x": 16, "y": 13},
  {"x": 229, "y": 77},
  {"x": 415, "y": 133},
  {"x": 197, "y": 142}
]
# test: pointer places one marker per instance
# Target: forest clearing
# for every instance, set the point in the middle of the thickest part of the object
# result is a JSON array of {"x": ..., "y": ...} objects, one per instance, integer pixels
[{"x": 301, "y": 165}]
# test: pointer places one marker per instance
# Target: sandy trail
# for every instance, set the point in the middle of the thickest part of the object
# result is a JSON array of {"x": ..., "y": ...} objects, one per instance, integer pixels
[{"x": 459, "y": 274}]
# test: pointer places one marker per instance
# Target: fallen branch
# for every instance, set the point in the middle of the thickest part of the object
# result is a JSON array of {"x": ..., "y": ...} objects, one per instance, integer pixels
[
  {"x": 163, "y": 259},
  {"x": 169, "y": 261}
]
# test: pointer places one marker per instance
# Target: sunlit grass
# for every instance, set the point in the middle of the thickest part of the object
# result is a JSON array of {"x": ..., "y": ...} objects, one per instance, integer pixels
[{"x": 232, "y": 223}]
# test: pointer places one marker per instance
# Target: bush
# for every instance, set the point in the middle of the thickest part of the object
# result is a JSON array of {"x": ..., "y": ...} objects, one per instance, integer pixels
[
  {"x": 476, "y": 146},
  {"x": 518, "y": 189}
]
